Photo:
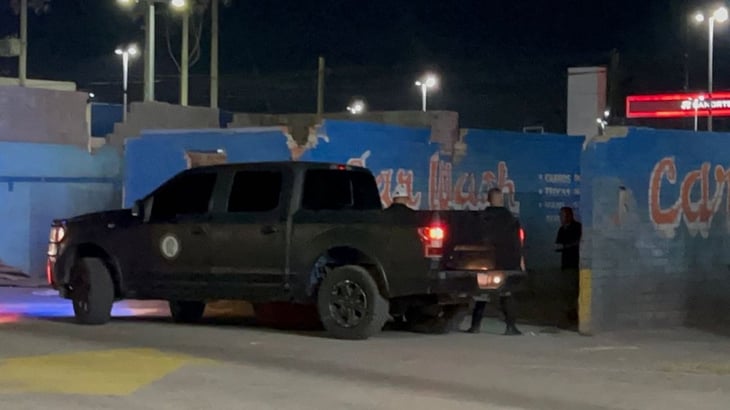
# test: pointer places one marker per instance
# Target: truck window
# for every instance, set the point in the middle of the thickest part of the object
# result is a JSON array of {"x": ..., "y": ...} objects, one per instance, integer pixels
[
  {"x": 334, "y": 189},
  {"x": 189, "y": 194},
  {"x": 255, "y": 191}
]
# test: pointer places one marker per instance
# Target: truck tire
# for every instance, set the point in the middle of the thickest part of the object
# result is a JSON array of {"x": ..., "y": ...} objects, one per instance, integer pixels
[
  {"x": 436, "y": 319},
  {"x": 93, "y": 293},
  {"x": 350, "y": 305},
  {"x": 186, "y": 311}
]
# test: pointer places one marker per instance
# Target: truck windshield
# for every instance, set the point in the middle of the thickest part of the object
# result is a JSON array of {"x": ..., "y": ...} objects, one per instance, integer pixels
[{"x": 326, "y": 189}]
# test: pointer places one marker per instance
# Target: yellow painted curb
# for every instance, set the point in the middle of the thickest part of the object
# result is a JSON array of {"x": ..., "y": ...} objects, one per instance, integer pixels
[{"x": 584, "y": 302}]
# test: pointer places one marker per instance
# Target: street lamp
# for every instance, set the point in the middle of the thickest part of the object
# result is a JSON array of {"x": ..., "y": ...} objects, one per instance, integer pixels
[
  {"x": 356, "y": 107},
  {"x": 130, "y": 51},
  {"x": 428, "y": 81},
  {"x": 720, "y": 15},
  {"x": 149, "y": 46}
]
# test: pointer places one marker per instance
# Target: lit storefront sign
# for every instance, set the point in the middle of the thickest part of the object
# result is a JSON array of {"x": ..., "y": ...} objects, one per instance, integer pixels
[{"x": 677, "y": 105}]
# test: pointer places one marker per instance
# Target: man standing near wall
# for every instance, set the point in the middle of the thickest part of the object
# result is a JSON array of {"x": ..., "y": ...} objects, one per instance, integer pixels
[
  {"x": 568, "y": 243},
  {"x": 506, "y": 300}
]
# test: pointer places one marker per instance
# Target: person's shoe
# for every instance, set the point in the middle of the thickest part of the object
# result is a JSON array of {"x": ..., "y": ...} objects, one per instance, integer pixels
[
  {"x": 512, "y": 331},
  {"x": 473, "y": 330}
]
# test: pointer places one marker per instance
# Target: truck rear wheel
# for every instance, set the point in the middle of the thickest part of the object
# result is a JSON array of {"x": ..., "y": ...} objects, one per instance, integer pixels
[
  {"x": 350, "y": 305},
  {"x": 186, "y": 311},
  {"x": 93, "y": 292},
  {"x": 434, "y": 319}
]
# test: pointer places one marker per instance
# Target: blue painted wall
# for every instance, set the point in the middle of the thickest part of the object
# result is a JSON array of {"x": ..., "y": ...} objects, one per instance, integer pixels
[
  {"x": 540, "y": 170},
  {"x": 158, "y": 155},
  {"x": 103, "y": 118},
  {"x": 658, "y": 228},
  {"x": 40, "y": 182}
]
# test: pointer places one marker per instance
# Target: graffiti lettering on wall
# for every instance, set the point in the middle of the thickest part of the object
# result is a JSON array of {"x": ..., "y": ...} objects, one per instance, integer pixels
[
  {"x": 696, "y": 205},
  {"x": 466, "y": 193}
]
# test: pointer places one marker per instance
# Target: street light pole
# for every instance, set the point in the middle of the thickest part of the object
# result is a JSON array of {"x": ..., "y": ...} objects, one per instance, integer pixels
[
  {"x": 214, "y": 54},
  {"x": 23, "y": 57},
  {"x": 129, "y": 51},
  {"x": 149, "y": 53},
  {"x": 710, "y": 70},
  {"x": 185, "y": 57},
  {"x": 720, "y": 15},
  {"x": 427, "y": 82}
]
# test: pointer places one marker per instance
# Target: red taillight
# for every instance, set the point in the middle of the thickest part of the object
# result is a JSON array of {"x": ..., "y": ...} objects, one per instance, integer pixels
[
  {"x": 522, "y": 236},
  {"x": 433, "y": 240},
  {"x": 435, "y": 233}
]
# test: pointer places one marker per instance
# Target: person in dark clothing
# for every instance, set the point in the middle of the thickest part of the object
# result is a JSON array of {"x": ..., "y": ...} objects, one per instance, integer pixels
[
  {"x": 506, "y": 300},
  {"x": 568, "y": 240},
  {"x": 568, "y": 244},
  {"x": 400, "y": 198}
]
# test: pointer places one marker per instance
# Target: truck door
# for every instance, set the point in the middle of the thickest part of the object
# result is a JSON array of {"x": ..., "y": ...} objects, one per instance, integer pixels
[
  {"x": 170, "y": 249},
  {"x": 248, "y": 235}
]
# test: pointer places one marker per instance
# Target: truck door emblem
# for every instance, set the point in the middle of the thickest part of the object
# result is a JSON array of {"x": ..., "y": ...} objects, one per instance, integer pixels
[{"x": 170, "y": 246}]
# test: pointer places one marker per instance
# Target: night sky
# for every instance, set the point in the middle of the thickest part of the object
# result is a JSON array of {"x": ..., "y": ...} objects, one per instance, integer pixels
[{"x": 503, "y": 63}]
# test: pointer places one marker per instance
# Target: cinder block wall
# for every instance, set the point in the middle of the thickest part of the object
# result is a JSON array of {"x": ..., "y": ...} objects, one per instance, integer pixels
[{"x": 656, "y": 231}]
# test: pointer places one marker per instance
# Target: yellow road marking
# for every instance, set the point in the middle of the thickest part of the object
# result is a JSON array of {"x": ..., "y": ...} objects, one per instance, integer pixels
[{"x": 117, "y": 372}]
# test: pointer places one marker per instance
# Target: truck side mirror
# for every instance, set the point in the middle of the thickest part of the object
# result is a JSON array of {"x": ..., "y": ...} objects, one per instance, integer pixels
[{"x": 137, "y": 208}]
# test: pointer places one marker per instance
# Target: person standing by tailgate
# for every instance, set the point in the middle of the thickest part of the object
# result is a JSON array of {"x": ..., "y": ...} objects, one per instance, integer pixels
[{"x": 506, "y": 300}]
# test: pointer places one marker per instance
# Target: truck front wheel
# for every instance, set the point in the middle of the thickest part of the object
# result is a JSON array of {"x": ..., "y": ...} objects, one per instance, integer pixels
[
  {"x": 350, "y": 305},
  {"x": 93, "y": 292}
]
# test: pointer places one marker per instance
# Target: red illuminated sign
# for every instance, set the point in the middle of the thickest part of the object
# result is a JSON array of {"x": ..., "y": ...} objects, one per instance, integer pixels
[{"x": 677, "y": 105}]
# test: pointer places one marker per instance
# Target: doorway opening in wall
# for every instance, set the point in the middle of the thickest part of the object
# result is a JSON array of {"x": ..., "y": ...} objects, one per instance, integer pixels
[{"x": 196, "y": 159}]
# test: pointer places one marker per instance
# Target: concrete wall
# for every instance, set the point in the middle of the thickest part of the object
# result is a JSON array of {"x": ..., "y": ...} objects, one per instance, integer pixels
[
  {"x": 586, "y": 99},
  {"x": 158, "y": 155},
  {"x": 540, "y": 172},
  {"x": 40, "y": 182},
  {"x": 656, "y": 230},
  {"x": 160, "y": 116},
  {"x": 36, "y": 83},
  {"x": 45, "y": 116},
  {"x": 444, "y": 125}
]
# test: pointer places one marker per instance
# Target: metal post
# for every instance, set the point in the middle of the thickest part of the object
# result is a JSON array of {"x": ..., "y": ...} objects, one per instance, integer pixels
[
  {"x": 710, "y": 70},
  {"x": 149, "y": 53},
  {"x": 23, "y": 58},
  {"x": 214, "y": 54},
  {"x": 696, "y": 103},
  {"x": 424, "y": 95},
  {"x": 320, "y": 87},
  {"x": 125, "y": 76},
  {"x": 184, "y": 59}
]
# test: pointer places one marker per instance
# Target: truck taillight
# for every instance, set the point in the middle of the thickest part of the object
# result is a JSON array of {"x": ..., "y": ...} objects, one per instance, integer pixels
[
  {"x": 522, "y": 237},
  {"x": 433, "y": 240}
]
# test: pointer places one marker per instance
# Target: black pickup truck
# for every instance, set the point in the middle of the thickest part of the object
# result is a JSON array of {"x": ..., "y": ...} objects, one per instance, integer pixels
[{"x": 294, "y": 232}]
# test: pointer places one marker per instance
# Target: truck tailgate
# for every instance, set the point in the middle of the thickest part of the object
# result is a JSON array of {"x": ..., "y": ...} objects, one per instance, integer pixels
[{"x": 481, "y": 240}]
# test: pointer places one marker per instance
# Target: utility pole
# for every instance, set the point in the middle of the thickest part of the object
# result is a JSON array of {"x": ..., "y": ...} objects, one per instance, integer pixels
[
  {"x": 320, "y": 87},
  {"x": 185, "y": 57},
  {"x": 149, "y": 53},
  {"x": 214, "y": 54},
  {"x": 23, "y": 58}
]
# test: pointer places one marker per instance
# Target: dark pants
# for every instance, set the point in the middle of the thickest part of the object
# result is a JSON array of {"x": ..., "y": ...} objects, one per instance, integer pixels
[
  {"x": 506, "y": 304},
  {"x": 572, "y": 292}
]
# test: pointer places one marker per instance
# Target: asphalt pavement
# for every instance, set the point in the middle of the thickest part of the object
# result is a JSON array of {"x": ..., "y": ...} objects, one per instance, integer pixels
[{"x": 141, "y": 360}]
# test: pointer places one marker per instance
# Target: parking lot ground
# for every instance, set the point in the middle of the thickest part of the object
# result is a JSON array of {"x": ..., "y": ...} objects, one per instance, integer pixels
[{"x": 141, "y": 360}]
